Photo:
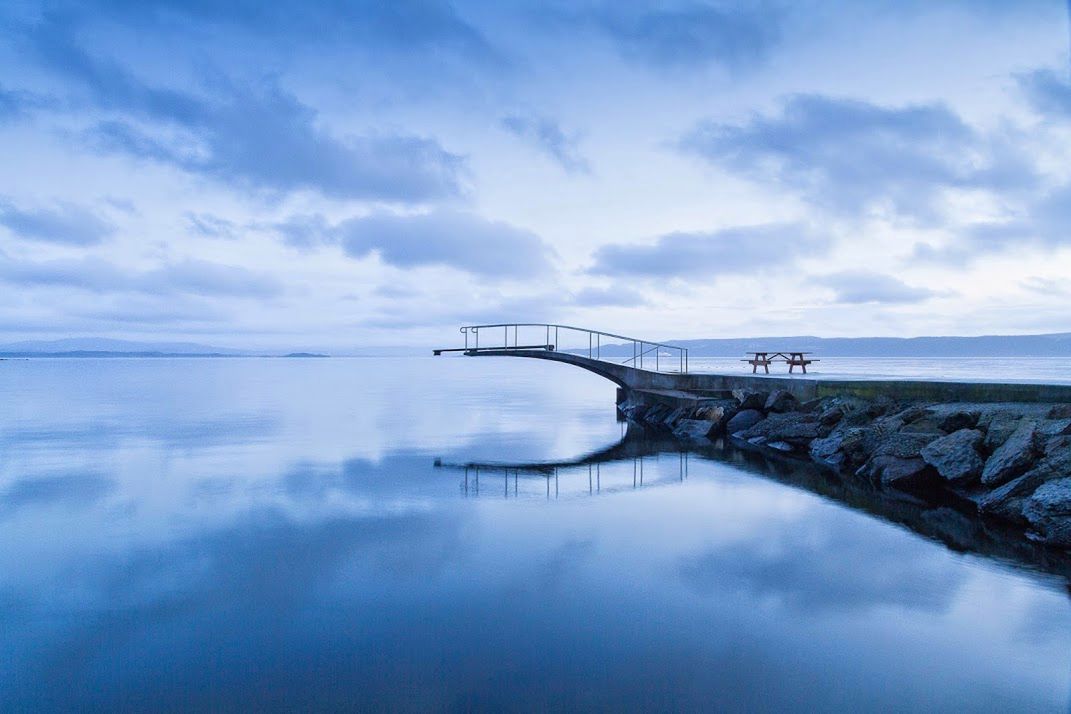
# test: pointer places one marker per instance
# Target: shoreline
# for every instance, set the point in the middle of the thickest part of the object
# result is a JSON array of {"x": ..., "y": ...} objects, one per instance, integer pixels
[{"x": 1008, "y": 462}]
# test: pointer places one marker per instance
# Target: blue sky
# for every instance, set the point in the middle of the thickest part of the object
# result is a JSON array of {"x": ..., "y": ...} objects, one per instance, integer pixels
[{"x": 340, "y": 173}]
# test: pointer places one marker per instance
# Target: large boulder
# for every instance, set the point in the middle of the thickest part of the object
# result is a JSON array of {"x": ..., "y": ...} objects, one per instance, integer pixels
[
  {"x": 830, "y": 416},
  {"x": 794, "y": 427},
  {"x": 694, "y": 429},
  {"x": 743, "y": 420},
  {"x": 1008, "y": 501},
  {"x": 897, "y": 472},
  {"x": 781, "y": 401},
  {"x": 1048, "y": 510},
  {"x": 1014, "y": 456},
  {"x": 957, "y": 420},
  {"x": 717, "y": 413},
  {"x": 998, "y": 429},
  {"x": 956, "y": 456},
  {"x": 749, "y": 399}
]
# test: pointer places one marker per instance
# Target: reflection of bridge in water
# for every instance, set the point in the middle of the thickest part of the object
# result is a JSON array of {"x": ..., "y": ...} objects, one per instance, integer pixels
[
  {"x": 636, "y": 461},
  {"x": 642, "y": 459}
]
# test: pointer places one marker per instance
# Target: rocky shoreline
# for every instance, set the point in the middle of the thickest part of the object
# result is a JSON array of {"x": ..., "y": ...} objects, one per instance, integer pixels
[{"x": 1010, "y": 461}]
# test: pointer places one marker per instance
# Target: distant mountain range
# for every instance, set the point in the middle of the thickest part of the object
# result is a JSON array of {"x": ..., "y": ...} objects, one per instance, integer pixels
[
  {"x": 1051, "y": 345},
  {"x": 103, "y": 347}
]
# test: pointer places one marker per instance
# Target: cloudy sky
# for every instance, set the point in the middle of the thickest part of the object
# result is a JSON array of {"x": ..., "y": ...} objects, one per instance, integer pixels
[{"x": 329, "y": 174}]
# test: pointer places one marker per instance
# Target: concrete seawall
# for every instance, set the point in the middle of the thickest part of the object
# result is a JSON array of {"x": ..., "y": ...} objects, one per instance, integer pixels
[{"x": 803, "y": 387}]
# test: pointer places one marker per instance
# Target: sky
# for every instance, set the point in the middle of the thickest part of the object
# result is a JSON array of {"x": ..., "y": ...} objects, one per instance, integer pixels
[{"x": 339, "y": 174}]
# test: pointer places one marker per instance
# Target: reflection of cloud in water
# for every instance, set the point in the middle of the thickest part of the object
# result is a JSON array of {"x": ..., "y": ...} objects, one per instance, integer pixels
[
  {"x": 843, "y": 563},
  {"x": 243, "y": 595},
  {"x": 69, "y": 490},
  {"x": 170, "y": 432}
]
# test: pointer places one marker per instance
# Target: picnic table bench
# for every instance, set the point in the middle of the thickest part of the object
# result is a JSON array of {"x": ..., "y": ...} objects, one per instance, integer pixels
[{"x": 792, "y": 359}]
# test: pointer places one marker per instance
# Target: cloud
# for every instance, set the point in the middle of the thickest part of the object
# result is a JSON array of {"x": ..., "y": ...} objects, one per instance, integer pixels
[
  {"x": 852, "y": 156},
  {"x": 704, "y": 255},
  {"x": 190, "y": 277},
  {"x": 258, "y": 135},
  {"x": 689, "y": 35},
  {"x": 1048, "y": 92},
  {"x": 64, "y": 223},
  {"x": 427, "y": 27},
  {"x": 861, "y": 286},
  {"x": 210, "y": 226},
  {"x": 548, "y": 138},
  {"x": 71, "y": 490},
  {"x": 1042, "y": 223},
  {"x": 608, "y": 297},
  {"x": 438, "y": 238}
]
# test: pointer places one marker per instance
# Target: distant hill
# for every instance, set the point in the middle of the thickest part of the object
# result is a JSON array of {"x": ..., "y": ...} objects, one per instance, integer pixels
[
  {"x": 1050, "y": 345},
  {"x": 103, "y": 347}
]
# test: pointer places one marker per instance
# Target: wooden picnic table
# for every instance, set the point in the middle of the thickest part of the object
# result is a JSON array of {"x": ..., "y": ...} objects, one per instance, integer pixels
[{"x": 793, "y": 358}]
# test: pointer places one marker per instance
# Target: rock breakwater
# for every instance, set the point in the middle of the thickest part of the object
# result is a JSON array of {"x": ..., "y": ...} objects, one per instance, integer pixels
[{"x": 1011, "y": 461}]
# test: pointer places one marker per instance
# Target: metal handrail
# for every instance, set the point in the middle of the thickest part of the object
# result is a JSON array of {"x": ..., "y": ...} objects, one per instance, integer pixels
[{"x": 640, "y": 347}]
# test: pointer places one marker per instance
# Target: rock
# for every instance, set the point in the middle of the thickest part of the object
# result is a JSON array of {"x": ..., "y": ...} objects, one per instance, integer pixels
[
  {"x": 748, "y": 399},
  {"x": 1008, "y": 500},
  {"x": 694, "y": 429},
  {"x": 880, "y": 406},
  {"x": 781, "y": 401},
  {"x": 959, "y": 420},
  {"x": 779, "y": 446},
  {"x": 956, "y": 456},
  {"x": 830, "y": 416},
  {"x": 793, "y": 427},
  {"x": 925, "y": 425},
  {"x": 757, "y": 440},
  {"x": 811, "y": 406},
  {"x": 1013, "y": 457},
  {"x": 1066, "y": 431},
  {"x": 675, "y": 416},
  {"x": 1048, "y": 510},
  {"x": 1060, "y": 411},
  {"x": 896, "y": 472},
  {"x": 903, "y": 445},
  {"x": 999, "y": 428},
  {"x": 913, "y": 414},
  {"x": 828, "y": 450},
  {"x": 743, "y": 420}
]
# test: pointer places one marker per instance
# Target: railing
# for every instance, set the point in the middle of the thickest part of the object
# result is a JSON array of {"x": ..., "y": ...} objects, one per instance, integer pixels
[{"x": 551, "y": 335}]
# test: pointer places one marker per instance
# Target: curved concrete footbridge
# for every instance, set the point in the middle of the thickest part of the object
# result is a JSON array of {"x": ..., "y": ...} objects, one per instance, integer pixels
[{"x": 661, "y": 371}]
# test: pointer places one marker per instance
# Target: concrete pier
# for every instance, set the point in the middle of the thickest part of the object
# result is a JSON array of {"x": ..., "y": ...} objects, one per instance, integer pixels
[{"x": 803, "y": 387}]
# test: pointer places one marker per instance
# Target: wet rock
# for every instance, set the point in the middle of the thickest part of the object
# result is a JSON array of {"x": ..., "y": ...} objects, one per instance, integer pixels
[
  {"x": 780, "y": 446},
  {"x": 1007, "y": 501},
  {"x": 1066, "y": 431},
  {"x": 748, "y": 399},
  {"x": 828, "y": 450},
  {"x": 781, "y": 401},
  {"x": 957, "y": 420},
  {"x": 1013, "y": 457},
  {"x": 694, "y": 429},
  {"x": 675, "y": 416},
  {"x": 1048, "y": 510},
  {"x": 956, "y": 456},
  {"x": 743, "y": 421},
  {"x": 811, "y": 406},
  {"x": 896, "y": 472}
]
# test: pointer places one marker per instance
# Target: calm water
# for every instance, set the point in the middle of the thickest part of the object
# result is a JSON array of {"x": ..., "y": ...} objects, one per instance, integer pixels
[{"x": 274, "y": 534}]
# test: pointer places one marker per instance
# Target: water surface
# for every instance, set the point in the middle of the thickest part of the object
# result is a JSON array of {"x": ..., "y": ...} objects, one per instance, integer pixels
[{"x": 275, "y": 534}]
